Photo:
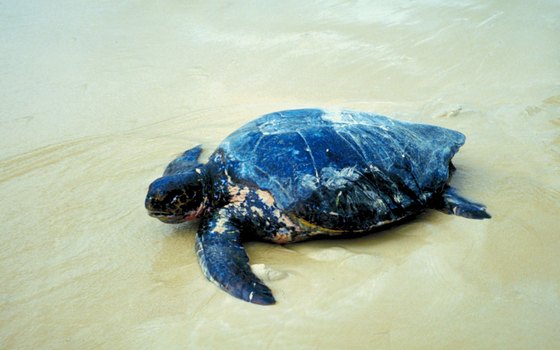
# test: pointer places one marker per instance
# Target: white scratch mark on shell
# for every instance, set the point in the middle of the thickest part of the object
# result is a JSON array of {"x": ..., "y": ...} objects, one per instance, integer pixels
[
  {"x": 310, "y": 181},
  {"x": 333, "y": 178},
  {"x": 333, "y": 115}
]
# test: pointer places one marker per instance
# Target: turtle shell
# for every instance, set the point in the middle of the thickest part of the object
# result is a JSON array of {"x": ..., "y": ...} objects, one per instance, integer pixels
[{"x": 342, "y": 170}]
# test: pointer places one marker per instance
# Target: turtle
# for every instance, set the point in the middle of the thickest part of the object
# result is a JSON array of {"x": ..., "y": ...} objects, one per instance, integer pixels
[{"x": 292, "y": 175}]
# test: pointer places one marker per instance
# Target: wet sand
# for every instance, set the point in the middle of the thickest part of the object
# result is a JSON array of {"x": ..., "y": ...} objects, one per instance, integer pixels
[{"x": 96, "y": 98}]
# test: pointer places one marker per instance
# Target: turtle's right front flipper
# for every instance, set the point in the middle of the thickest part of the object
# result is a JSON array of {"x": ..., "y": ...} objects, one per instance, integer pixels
[
  {"x": 185, "y": 162},
  {"x": 224, "y": 260}
]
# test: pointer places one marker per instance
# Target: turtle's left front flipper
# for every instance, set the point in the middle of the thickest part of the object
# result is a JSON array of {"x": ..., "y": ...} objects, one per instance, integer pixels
[
  {"x": 451, "y": 202},
  {"x": 224, "y": 260}
]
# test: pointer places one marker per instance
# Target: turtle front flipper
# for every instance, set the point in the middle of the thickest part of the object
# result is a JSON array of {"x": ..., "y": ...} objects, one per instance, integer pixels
[
  {"x": 185, "y": 162},
  {"x": 224, "y": 260},
  {"x": 451, "y": 202}
]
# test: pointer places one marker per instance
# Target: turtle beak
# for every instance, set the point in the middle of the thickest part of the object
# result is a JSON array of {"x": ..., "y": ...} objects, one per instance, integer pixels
[
  {"x": 148, "y": 204},
  {"x": 170, "y": 217},
  {"x": 156, "y": 212}
]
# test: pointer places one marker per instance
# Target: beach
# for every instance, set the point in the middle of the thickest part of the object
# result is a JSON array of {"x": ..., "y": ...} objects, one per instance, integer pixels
[{"x": 96, "y": 98}]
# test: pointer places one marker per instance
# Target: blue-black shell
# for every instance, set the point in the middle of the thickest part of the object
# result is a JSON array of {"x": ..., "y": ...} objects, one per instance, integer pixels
[{"x": 335, "y": 167}]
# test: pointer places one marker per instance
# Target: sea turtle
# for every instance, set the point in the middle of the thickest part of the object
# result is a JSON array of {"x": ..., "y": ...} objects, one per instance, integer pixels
[{"x": 291, "y": 175}]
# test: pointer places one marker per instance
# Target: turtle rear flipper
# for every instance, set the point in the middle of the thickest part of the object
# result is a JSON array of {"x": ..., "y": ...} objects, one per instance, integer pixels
[
  {"x": 224, "y": 261},
  {"x": 450, "y": 202}
]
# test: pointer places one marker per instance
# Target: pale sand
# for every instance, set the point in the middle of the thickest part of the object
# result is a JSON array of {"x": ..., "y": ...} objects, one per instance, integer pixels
[{"x": 97, "y": 97}]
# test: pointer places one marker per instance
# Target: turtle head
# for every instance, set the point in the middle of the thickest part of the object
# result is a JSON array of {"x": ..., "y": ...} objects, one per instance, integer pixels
[{"x": 177, "y": 198}]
